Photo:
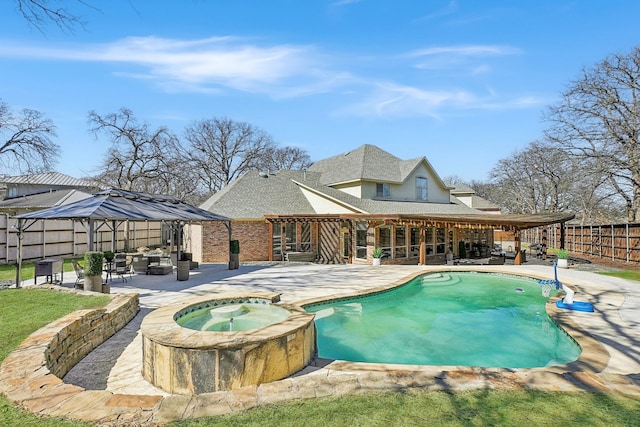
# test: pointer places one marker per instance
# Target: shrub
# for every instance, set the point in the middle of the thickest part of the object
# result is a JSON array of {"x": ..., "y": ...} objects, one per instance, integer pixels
[
  {"x": 93, "y": 263},
  {"x": 108, "y": 255},
  {"x": 377, "y": 253},
  {"x": 563, "y": 254}
]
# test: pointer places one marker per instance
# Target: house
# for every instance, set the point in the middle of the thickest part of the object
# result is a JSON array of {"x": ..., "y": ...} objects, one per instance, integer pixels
[
  {"x": 343, "y": 207},
  {"x": 24, "y": 193},
  {"x": 468, "y": 196}
]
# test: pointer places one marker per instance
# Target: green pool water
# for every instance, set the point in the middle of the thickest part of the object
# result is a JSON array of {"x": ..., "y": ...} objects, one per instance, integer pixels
[{"x": 462, "y": 318}]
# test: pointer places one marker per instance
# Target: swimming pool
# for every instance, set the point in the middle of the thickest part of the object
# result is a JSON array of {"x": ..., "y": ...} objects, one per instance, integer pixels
[{"x": 453, "y": 318}]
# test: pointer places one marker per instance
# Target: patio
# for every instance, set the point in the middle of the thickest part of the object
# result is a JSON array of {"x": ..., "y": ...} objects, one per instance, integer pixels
[{"x": 116, "y": 364}]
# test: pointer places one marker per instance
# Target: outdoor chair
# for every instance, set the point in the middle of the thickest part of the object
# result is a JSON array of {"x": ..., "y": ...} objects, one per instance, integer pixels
[
  {"x": 123, "y": 268},
  {"x": 79, "y": 274}
]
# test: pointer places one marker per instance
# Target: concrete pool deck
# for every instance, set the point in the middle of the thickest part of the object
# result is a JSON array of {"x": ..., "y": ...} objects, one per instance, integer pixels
[{"x": 611, "y": 336}]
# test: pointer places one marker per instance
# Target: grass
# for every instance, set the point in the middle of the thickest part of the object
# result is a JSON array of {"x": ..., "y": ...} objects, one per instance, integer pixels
[
  {"x": 25, "y": 310},
  {"x": 418, "y": 408},
  {"x": 22, "y": 312},
  {"x": 8, "y": 271},
  {"x": 623, "y": 274}
]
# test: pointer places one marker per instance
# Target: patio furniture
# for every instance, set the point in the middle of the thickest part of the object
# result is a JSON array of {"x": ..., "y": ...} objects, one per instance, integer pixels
[
  {"x": 140, "y": 264},
  {"x": 300, "y": 256},
  {"x": 122, "y": 268},
  {"x": 159, "y": 269},
  {"x": 49, "y": 267},
  {"x": 79, "y": 274}
]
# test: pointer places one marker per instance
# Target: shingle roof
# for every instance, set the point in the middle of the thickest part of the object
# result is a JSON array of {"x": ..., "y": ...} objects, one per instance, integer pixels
[
  {"x": 366, "y": 162},
  {"x": 255, "y": 194}
]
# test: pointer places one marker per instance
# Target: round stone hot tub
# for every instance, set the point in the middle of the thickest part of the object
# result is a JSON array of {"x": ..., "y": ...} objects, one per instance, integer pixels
[{"x": 245, "y": 340}]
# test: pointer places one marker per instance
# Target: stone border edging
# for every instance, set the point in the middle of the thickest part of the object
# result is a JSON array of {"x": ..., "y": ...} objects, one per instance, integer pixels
[{"x": 26, "y": 380}]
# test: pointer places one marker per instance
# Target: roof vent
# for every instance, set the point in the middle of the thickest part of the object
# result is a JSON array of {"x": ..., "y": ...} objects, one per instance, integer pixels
[{"x": 264, "y": 175}]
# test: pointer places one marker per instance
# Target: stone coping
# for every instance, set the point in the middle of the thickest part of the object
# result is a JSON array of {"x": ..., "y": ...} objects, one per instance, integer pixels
[
  {"x": 26, "y": 381},
  {"x": 160, "y": 325}
]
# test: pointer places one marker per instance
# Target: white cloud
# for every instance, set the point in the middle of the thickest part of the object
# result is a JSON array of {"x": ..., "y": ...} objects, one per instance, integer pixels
[{"x": 200, "y": 65}]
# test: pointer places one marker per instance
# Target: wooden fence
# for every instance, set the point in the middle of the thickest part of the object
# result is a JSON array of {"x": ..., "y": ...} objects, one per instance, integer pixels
[
  {"x": 67, "y": 239},
  {"x": 617, "y": 242}
]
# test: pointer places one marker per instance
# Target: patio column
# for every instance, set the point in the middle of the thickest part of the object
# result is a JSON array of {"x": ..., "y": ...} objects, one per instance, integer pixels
[
  {"x": 516, "y": 248},
  {"x": 423, "y": 245}
]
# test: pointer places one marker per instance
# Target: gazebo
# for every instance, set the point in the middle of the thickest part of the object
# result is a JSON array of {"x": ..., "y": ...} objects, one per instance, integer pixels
[{"x": 115, "y": 206}]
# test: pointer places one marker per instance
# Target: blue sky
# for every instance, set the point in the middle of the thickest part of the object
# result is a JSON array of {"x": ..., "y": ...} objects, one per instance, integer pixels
[{"x": 461, "y": 82}]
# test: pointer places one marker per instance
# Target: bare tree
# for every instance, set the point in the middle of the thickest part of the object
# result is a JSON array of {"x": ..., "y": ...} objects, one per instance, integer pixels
[
  {"x": 138, "y": 159},
  {"x": 598, "y": 122},
  {"x": 39, "y": 13},
  {"x": 286, "y": 158},
  {"x": 25, "y": 141},
  {"x": 221, "y": 150}
]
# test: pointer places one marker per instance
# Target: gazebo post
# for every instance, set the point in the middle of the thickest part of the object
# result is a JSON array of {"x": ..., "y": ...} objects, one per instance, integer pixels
[
  {"x": 518, "y": 258},
  {"x": 19, "y": 254}
]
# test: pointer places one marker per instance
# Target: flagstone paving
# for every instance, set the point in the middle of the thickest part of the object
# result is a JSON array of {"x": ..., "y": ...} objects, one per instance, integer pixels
[{"x": 107, "y": 387}]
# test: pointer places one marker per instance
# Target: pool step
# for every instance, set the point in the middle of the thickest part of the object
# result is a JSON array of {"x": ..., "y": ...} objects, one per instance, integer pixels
[{"x": 440, "y": 279}]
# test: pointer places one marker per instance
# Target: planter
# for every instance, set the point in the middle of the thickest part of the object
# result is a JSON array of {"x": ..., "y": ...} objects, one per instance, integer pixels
[
  {"x": 563, "y": 263},
  {"x": 376, "y": 261},
  {"x": 234, "y": 261},
  {"x": 93, "y": 283},
  {"x": 183, "y": 270}
]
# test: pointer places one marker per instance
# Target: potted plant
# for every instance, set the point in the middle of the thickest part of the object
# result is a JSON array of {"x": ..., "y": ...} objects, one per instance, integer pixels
[
  {"x": 377, "y": 256},
  {"x": 563, "y": 258},
  {"x": 93, "y": 271},
  {"x": 109, "y": 256},
  {"x": 234, "y": 254}
]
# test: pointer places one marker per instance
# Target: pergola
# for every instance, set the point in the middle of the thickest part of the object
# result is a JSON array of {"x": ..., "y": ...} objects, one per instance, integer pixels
[
  {"x": 115, "y": 206},
  {"x": 507, "y": 222}
]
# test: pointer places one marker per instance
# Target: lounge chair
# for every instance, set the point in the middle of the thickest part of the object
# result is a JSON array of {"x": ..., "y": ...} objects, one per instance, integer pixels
[{"x": 79, "y": 274}]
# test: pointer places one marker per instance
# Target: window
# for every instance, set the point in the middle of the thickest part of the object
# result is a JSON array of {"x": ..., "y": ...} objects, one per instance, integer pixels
[
  {"x": 421, "y": 189},
  {"x": 290, "y": 234},
  {"x": 414, "y": 244},
  {"x": 401, "y": 242},
  {"x": 361, "y": 239},
  {"x": 428, "y": 241},
  {"x": 384, "y": 240},
  {"x": 277, "y": 240},
  {"x": 383, "y": 190}
]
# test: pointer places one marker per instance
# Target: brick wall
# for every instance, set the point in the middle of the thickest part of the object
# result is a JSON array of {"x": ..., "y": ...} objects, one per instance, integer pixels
[{"x": 253, "y": 237}]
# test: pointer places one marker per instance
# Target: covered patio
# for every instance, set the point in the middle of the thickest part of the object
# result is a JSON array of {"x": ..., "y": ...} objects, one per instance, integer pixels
[{"x": 404, "y": 239}]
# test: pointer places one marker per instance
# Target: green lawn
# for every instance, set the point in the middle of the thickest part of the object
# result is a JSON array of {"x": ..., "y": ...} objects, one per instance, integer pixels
[
  {"x": 22, "y": 312},
  {"x": 8, "y": 271},
  {"x": 623, "y": 274},
  {"x": 25, "y": 310}
]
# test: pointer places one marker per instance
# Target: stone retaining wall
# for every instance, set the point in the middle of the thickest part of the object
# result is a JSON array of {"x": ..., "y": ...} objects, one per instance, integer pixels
[{"x": 83, "y": 330}]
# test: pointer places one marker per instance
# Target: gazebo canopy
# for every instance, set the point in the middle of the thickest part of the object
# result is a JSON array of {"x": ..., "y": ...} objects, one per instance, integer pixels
[
  {"x": 121, "y": 205},
  {"x": 116, "y": 206}
]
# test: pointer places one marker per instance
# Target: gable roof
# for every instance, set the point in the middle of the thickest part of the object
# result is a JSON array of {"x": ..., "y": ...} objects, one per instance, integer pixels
[
  {"x": 48, "y": 178},
  {"x": 254, "y": 195},
  {"x": 368, "y": 163},
  {"x": 42, "y": 200}
]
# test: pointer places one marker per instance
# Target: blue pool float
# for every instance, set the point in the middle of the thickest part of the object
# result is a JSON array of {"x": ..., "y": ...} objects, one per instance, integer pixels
[{"x": 576, "y": 305}]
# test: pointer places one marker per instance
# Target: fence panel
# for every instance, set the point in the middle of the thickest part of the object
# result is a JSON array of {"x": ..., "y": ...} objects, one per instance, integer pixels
[
  {"x": 617, "y": 242},
  {"x": 66, "y": 238}
]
